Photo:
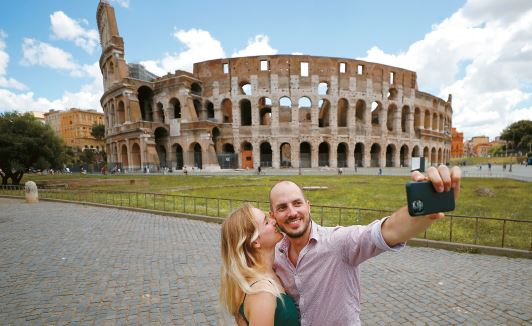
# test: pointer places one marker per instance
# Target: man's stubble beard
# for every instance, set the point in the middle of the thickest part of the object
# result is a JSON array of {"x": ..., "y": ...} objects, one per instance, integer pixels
[{"x": 299, "y": 234}]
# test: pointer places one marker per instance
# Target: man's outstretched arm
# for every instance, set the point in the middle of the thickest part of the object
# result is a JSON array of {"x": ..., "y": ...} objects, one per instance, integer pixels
[{"x": 400, "y": 226}]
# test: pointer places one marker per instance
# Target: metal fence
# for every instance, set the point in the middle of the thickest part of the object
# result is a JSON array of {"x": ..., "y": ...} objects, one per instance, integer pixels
[{"x": 478, "y": 230}]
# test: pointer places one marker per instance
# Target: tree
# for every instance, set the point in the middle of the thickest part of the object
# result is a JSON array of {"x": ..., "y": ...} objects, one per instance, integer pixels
[
  {"x": 87, "y": 156},
  {"x": 98, "y": 131},
  {"x": 25, "y": 141},
  {"x": 519, "y": 134}
]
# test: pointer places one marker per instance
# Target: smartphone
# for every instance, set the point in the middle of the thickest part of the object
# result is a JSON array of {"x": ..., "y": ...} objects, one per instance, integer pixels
[{"x": 422, "y": 199}]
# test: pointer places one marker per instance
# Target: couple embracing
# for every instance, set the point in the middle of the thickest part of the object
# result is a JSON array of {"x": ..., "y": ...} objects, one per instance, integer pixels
[{"x": 308, "y": 274}]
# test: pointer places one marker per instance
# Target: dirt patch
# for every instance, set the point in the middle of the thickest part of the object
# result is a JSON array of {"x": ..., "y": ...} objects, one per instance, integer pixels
[
  {"x": 311, "y": 188},
  {"x": 485, "y": 192},
  {"x": 77, "y": 183}
]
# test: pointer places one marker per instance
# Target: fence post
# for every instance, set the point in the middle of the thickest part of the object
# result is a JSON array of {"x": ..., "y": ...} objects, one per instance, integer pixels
[
  {"x": 451, "y": 230},
  {"x": 476, "y": 230},
  {"x": 503, "y": 232}
]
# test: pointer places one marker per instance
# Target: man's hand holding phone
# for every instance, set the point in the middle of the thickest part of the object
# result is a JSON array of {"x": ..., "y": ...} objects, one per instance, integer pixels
[{"x": 434, "y": 193}]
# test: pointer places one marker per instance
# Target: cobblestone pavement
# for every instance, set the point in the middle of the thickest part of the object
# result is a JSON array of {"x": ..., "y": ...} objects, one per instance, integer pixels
[{"x": 74, "y": 264}]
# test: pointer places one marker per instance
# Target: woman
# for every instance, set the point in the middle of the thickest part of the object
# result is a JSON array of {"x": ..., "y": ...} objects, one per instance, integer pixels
[{"x": 249, "y": 289}]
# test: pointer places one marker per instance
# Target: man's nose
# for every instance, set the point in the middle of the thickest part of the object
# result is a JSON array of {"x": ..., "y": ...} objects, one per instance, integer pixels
[{"x": 291, "y": 210}]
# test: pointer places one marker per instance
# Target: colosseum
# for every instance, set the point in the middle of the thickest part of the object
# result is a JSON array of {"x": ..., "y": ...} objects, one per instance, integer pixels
[{"x": 277, "y": 111}]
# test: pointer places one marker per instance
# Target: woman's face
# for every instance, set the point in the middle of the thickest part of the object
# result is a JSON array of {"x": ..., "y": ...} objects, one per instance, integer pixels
[{"x": 268, "y": 233}]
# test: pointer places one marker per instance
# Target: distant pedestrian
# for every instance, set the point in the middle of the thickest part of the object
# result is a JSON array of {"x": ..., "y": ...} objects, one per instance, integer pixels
[
  {"x": 380, "y": 171},
  {"x": 259, "y": 170},
  {"x": 340, "y": 171},
  {"x": 504, "y": 167},
  {"x": 510, "y": 169}
]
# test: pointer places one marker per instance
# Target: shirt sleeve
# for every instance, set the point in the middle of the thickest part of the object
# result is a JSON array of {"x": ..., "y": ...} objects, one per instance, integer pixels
[
  {"x": 363, "y": 242},
  {"x": 376, "y": 233}
]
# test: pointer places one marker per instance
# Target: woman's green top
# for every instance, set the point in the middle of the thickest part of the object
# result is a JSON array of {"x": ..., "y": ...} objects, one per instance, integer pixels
[{"x": 285, "y": 314}]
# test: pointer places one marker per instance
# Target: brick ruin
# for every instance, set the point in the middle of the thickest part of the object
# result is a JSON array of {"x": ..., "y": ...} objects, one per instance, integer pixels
[{"x": 269, "y": 111}]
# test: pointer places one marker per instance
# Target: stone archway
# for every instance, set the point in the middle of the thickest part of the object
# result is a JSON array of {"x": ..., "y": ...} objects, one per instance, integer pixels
[
  {"x": 375, "y": 155},
  {"x": 305, "y": 152},
  {"x": 125, "y": 161},
  {"x": 286, "y": 155},
  {"x": 341, "y": 155},
  {"x": 359, "y": 154},
  {"x": 247, "y": 155},
  {"x": 265, "y": 155}
]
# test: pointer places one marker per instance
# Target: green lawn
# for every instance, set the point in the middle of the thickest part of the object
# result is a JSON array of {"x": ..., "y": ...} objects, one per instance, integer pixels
[
  {"x": 376, "y": 196},
  {"x": 486, "y": 160},
  {"x": 512, "y": 199}
]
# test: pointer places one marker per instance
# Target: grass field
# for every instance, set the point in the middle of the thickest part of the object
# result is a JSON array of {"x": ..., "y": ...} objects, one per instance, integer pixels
[
  {"x": 486, "y": 160},
  {"x": 510, "y": 198},
  {"x": 485, "y": 197}
]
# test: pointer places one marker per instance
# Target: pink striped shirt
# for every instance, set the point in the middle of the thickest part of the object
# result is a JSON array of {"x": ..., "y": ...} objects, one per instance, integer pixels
[{"x": 325, "y": 284}]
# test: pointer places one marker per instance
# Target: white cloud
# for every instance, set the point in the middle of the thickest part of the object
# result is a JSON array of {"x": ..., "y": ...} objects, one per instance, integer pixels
[
  {"x": 482, "y": 55},
  {"x": 87, "y": 97},
  {"x": 123, "y": 3},
  {"x": 258, "y": 46},
  {"x": 65, "y": 28},
  {"x": 4, "y": 60},
  {"x": 200, "y": 46},
  {"x": 39, "y": 53}
]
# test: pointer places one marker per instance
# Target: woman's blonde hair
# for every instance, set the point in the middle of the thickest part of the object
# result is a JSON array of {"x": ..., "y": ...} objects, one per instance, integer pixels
[{"x": 241, "y": 261}]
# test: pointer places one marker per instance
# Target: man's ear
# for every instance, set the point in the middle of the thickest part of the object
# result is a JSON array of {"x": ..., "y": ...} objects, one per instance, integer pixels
[{"x": 272, "y": 216}]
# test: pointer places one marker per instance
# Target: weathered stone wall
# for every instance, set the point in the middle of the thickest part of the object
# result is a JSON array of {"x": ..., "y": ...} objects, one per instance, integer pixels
[{"x": 270, "y": 111}]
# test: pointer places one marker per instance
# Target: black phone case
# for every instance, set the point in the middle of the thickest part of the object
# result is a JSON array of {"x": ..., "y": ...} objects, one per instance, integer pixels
[{"x": 422, "y": 199}]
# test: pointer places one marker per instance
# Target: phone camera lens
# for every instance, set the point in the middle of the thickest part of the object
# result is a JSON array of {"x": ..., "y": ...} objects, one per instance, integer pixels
[{"x": 417, "y": 205}]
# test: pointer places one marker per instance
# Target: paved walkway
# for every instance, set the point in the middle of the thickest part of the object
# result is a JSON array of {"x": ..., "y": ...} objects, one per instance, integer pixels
[
  {"x": 519, "y": 172},
  {"x": 74, "y": 264}
]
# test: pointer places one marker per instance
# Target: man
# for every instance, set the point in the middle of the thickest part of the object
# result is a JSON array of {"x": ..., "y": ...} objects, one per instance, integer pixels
[{"x": 319, "y": 265}]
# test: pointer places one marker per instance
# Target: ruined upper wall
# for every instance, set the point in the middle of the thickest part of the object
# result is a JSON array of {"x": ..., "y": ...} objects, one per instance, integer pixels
[{"x": 344, "y": 73}]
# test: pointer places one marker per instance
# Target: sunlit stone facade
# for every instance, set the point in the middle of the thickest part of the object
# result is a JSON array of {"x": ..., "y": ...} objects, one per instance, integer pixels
[{"x": 269, "y": 111}]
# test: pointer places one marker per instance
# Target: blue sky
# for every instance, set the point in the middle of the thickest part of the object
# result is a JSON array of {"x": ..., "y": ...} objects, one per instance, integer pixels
[{"x": 478, "y": 50}]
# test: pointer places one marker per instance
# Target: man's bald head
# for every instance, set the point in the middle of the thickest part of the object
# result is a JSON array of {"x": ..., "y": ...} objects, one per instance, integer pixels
[{"x": 283, "y": 185}]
